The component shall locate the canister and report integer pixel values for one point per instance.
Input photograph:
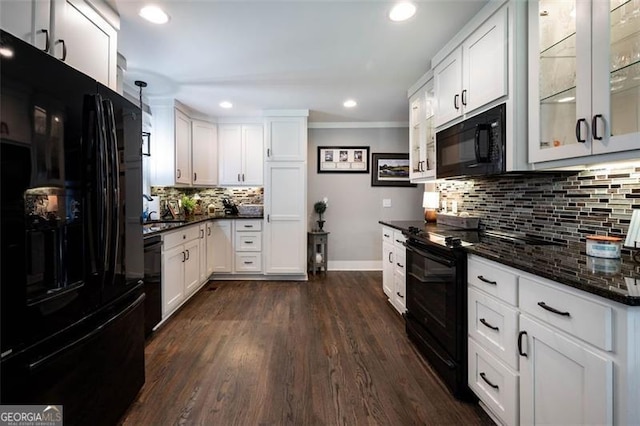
(603, 246)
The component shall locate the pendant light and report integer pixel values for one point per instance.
(146, 136)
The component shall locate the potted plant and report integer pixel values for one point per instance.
(320, 207)
(188, 205)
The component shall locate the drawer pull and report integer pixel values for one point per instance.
(484, 280)
(399, 295)
(522, 333)
(248, 226)
(554, 310)
(387, 235)
(248, 262)
(402, 266)
(248, 242)
(483, 321)
(488, 382)
(398, 241)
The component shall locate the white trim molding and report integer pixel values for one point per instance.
(354, 265)
(357, 124)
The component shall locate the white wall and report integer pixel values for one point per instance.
(355, 207)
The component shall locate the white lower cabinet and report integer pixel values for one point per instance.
(180, 267)
(210, 259)
(221, 257)
(394, 276)
(562, 381)
(248, 246)
(544, 353)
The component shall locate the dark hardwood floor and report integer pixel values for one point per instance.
(330, 351)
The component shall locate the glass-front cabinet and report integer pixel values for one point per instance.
(422, 136)
(584, 87)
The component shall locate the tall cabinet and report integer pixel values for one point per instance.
(584, 88)
(285, 195)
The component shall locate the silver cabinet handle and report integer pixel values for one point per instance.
(179, 173)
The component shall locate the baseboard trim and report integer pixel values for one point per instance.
(354, 265)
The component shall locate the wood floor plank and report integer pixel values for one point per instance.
(330, 351)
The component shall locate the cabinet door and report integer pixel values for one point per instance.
(559, 80)
(253, 160)
(388, 283)
(210, 242)
(85, 40)
(562, 382)
(415, 135)
(400, 280)
(448, 87)
(202, 241)
(222, 247)
(183, 148)
(286, 139)
(285, 231)
(204, 153)
(172, 279)
(615, 118)
(16, 18)
(485, 63)
(230, 150)
(192, 266)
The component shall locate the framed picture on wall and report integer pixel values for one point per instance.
(390, 170)
(343, 159)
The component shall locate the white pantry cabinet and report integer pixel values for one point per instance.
(71, 30)
(286, 138)
(584, 87)
(241, 154)
(475, 73)
(285, 234)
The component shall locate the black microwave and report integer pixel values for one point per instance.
(473, 147)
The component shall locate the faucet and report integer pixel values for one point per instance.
(146, 197)
(149, 215)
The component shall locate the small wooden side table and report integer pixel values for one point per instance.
(317, 251)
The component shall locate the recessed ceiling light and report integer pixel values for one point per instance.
(226, 104)
(402, 11)
(350, 103)
(154, 14)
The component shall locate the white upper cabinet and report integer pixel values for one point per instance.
(241, 154)
(183, 148)
(475, 73)
(204, 153)
(286, 138)
(422, 138)
(584, 90)
(71, 30)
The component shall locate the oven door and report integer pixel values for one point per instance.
(433, 294)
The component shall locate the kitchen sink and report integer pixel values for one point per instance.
(155, 226)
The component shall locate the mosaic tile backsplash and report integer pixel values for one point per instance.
(239, 195)
(560, 207)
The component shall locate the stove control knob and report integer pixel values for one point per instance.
(456, 242)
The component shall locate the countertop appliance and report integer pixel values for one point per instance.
(72, 296)
(473, 147)
(436, 318)
(152, 283)
(230, 207)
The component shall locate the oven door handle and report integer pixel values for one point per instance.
(435, 258)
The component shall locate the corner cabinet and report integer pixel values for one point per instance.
(584, 90)
(475, 73)
(422, 137)
(71, 30)
(241, 154)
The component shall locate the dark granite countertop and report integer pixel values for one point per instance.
(156, 227)
(614, 279)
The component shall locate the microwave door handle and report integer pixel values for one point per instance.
(479, 157)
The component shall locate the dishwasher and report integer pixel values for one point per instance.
(152, 282)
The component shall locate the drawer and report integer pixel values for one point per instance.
(248, 262)
(249, 241)
(493, 278)
(181, 236)
(581, 317)
(494, 324)
(248, 225)
(495, 385)
(387, 234)
(398, 239)
(400, 263)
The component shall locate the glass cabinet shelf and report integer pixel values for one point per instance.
(565, 96)
(563, 48)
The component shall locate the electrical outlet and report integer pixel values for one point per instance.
(386, 202)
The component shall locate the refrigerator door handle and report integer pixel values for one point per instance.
(50, 357)
(113, 176)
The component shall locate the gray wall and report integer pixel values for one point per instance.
(355, 207)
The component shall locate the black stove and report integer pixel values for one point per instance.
(450, 237)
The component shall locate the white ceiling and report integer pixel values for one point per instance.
(303, 54)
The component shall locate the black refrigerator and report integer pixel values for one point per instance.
(72, 298)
